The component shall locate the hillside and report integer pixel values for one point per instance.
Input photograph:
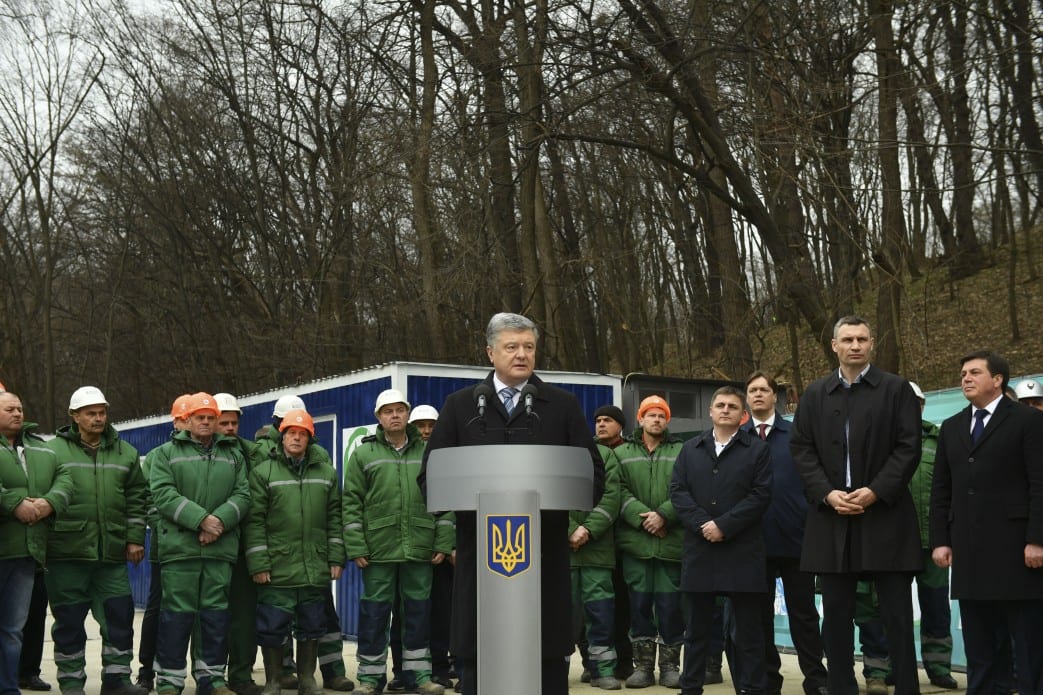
(942, 320)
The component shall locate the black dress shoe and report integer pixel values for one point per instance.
(945, 681)
(34, 683)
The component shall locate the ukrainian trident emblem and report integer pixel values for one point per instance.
(507, 546)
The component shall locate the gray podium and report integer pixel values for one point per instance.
(507, 485)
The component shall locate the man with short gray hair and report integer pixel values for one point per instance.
(511, 348)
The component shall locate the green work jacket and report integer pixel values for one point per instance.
(29, 469)
(188, 482)
(294, 527)
(600, 550)
(645, 486)
(109, 503)
(385, 517)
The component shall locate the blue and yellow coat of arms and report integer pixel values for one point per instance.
(508, 543)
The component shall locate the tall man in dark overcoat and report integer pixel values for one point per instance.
(987, 524)
(511, 347)
(720, 489)
(856, 443)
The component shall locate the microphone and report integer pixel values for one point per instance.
(528, 393)
(482, 393)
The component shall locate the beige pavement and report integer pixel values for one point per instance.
(789, 669)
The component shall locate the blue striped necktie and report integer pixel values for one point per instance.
(507, 395)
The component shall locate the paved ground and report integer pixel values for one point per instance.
(789, 670)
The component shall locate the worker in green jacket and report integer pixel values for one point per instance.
(650, 537)
(90, 546)
(199, 488)
(33, 490)
(242, 599)
(331, 644)
(150, 620)
(395, 541)
(592, 541)
(294, 548)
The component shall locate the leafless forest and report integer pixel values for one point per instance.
(240, 194)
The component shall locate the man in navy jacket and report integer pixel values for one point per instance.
(783, 536)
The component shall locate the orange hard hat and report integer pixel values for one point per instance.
(298, 418)
(200, 402)
(177, 411)
(653, 402)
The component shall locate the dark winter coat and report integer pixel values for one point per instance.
(561, 423)
(882, 415)
(987, 502)
(783, 523)
(733, 490)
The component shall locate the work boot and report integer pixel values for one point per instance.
(339, 683)
(876, 686)
(670, 666)
(272, 657)
(307, 662)
(245, 688)
(146, 681)
(644, 665)
(121, 688)
(608, 682)
(430, 688)
(289, 668)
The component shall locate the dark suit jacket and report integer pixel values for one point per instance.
(883, 419)
(783, 523)
(987, 502)
(562, 423)
(732, 490)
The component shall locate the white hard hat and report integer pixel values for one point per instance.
(86, 395)
(226, 403)
(423, 412)
(918, 391)
(286, 404)
(1028, 388)
(387, 398)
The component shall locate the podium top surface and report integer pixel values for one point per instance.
(563, 476)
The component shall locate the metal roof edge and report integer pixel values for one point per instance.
(399, 369)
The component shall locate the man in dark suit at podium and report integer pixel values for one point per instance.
(987, 524)
(557, 420)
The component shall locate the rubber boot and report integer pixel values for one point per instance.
(670, 666)
(272, 657)
(289, 667)
(307, 661)
(644, 665)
